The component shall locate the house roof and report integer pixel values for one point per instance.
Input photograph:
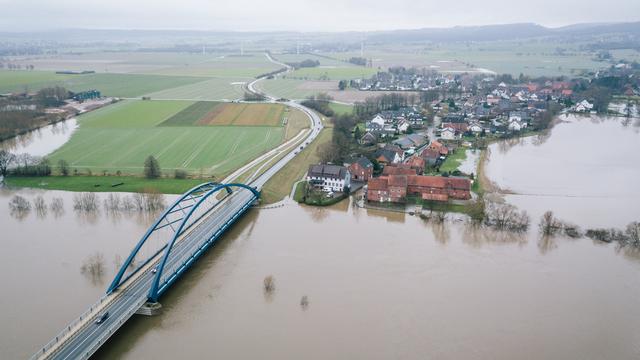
(400, 169)
(379, 184)
(430, 154)
(416, 161)
(387, 154)
(439, 182)
(364, 162)
(397, 181)
(327, 171)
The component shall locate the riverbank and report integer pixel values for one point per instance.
(105, 183)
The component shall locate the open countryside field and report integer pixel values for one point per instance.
(293, 58)
(332, 73)
(121, 136)
(301, 89)
(222, 66)
(531, 57)
(247, 115)
(211, 89)
(118, 85)
(208, 113)
(113, 61)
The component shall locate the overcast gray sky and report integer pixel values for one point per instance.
(304, 15)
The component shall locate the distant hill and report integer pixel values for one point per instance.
(502, 32)
(630, 30)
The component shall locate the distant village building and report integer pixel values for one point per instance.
(329, 177)
(583, 106)
(448, 133)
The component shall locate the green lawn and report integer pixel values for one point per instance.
(341, 108)
(105, 183)
(454, 160)
(121, 136)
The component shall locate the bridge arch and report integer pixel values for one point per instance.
(186, 201)
(156, 288)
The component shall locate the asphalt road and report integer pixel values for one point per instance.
(124, 302)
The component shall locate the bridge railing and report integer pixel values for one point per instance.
(71, 326)
(113, 328)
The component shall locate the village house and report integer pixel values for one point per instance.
(385, 157)
(431, 156)
(439, 147)
(368, 139)
(395, 188)
(448, 133)
(361, 169)
(329, 177)
(417, 163)
(583, 106)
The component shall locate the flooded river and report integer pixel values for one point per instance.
(586, 170)
(379, 285)
(42, 141)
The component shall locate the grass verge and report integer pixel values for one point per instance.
(281, 183)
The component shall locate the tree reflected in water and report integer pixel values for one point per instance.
(93, 269)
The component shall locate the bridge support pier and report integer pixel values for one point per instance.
(150, 309)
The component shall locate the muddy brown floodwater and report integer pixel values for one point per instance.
(378, 285)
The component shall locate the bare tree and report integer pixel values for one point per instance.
(506, 217)
(548, 224)
(57, 206)
(94, 268)
(6, 160)
(87, 202)
(40, 205)
(633, 233)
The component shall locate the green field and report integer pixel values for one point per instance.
(231, 66)
(286, 88)
(118, 85)
(121, 136)
(211, 89)
(341, 108)
(191, 114)
(534, 57)
(332, 73)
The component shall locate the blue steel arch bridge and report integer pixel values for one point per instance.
(193, 222)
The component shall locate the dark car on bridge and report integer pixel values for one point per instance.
(102, 318)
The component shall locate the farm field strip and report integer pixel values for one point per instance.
(213, 89)
(192, 114)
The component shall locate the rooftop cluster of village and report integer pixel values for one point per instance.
(402, 148)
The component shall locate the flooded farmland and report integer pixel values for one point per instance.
(376, 285)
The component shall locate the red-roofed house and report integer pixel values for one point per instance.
(398, 169)
(418, 164)
(437, 187)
